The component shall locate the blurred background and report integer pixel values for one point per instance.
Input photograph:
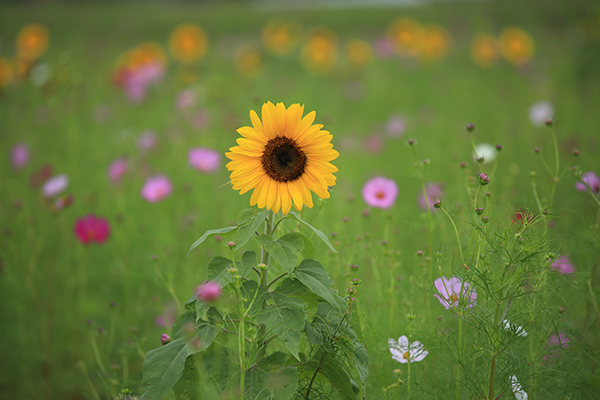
(105, 96)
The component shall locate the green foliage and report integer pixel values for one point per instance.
(312, 275)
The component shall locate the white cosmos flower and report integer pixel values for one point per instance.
(403, 351)
(54, 186)
(519, 393)
(540, 112)
(485, 150)
(518, 330)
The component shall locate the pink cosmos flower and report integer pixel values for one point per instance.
(209, 291)
(204, 159)
(559, 340)
(384, 47)
(55, 185)
(117, 169)
(156, 188)
(147, 141)
(91, 229)
(563, 265)
(186, 99)
(592, 180)
(434, 192)
(454, 292)
(395, 126)
(380, 192)
(404, 352)
(20, 155)
(136, 82)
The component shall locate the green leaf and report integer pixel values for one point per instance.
(248, 261)
(252, 221)
(218, 270)
(317, 232)
(284, 316)
(249, 291)
(284, 250)
(188, 387)
(262, 385)
(291, 287)
(210, 233)
(264, 239)
(339, 379)
(312, 275)
(309, 248)
(184, 326)
(361, 360)
(284, 384)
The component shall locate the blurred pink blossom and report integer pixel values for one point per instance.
(209, 291)
(55, 185)
(380, 192)
(592, 180)
(395, 126)
(434, 192)
(186, 99)
(20, 155)
(156, 188)
(374, 143)
(117, 169)
(454, 292)
(91, 229)
(136, 81)
(384, 47)
(555, 344)
(204, 159)
(147, 141)
(563, 265)
(540, 112)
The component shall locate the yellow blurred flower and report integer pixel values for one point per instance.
(6, 72)
(433, 43)
(485, 50)
(247, 61)
(320, 52)
(32, 42)
(405, 33)
(516, 45)
(188, 43)
(145, 54)
(359, 52)
(279, 37)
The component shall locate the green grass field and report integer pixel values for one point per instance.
(76, 321)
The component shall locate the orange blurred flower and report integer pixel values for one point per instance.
(32, 42)
(188, 43)
(433, 43)
(359, 52)
(145, 54)
(405, 33)
(485, 50)
(6, 72)
(247, 60)
(320, 52)
(516, 45)
(279, 37)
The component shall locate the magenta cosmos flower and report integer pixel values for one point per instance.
(590, 179)
(20, 156)
(454, 292)
(156, 188)
(563, 265)
(91, 229)
(380, 192)
(404, 352)
(54, 186)
(209, 291)
(434, 192)
(117, 169)
(204, 159)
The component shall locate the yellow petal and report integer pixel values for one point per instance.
(296, 194)
(286, 199)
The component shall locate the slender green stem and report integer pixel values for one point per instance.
(264, 283)
(408, 380)
(460, 333)
(494, 353)
(462, 257)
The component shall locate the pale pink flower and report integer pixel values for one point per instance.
(559, 340)
(592, 180)
(563, 265)
(156, 188)
(147, 141)
(374, 143)
(434, 192)
(20, 155)
(117, 169)
(395, 126)
(454, 293)
(540, 112)
(204, 159)
(404, 352)
(186, 99)
(380, 192)
(91, 229)
(384, 47)
(209, 291)
(55, 185)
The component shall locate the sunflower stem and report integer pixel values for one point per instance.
(264, 282)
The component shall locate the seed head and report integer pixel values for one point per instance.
(470, 127)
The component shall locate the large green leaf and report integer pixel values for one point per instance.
(262, 384)
(309, 248)
(249, 291)
(284, 316)
(312, 275)
(361, 360)
(183, 327)
(317, 232)
(218, 268)
(284, 250)
(249, 221)
(339, 378)
(221, 231)
(188, 387)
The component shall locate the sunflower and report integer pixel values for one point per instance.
(283, 158)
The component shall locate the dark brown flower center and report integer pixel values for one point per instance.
(283, 160)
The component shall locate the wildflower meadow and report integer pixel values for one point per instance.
(300, 200)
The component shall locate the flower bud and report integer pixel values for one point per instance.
(437, 203)
(483, 178)
(485, 219)
(463, 164)
(419, 253)
(479, 210)
(575, 152)
(548, 122)
(498, 147)
(164, 339)
(230, 243)
(411, 141)
(536, 150)
(470, 127)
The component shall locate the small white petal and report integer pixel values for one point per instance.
(419, 356)
(403, 342)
